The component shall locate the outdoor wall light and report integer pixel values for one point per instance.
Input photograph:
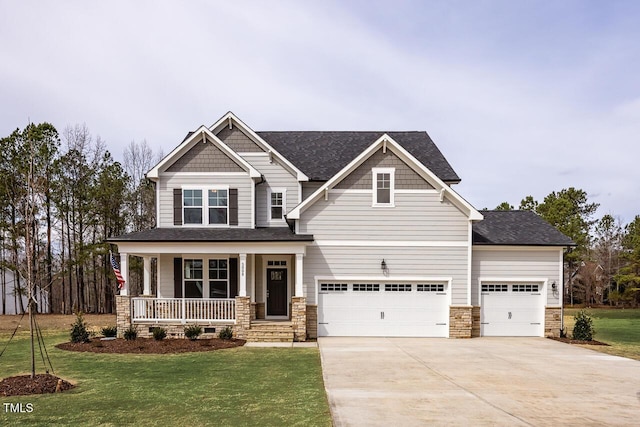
(554, 286)
(383, 265)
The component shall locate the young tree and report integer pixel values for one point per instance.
(528, 204)
(504, 206)
(607, 247)
(629, 275)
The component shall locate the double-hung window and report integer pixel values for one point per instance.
(277, 199)
(192, 205)
(218, 207)
(218, 278)
(383, 180)
(193, 278)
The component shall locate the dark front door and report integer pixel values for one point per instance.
(276, 292)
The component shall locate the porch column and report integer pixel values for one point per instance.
(146, 276)
(242, 291)
(252, 284)
(124, 271)
(299, 288)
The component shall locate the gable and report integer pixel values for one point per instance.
(405, 176)
(238, 141)
(204, 157)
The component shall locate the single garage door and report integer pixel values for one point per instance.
(512, 310)
(383, 309)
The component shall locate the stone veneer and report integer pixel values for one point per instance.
(312, 321)
(243, 317)
(552, 321)
(460, 321)
(299, 318)
(475, 319)
(123, 313)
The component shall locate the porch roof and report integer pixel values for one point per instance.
(183, 234)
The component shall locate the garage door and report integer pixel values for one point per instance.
(512, 309)
(383, 309)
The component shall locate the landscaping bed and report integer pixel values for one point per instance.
(151, 346)
(581, 342)
(24, 385)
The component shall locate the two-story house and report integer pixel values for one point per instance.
(294, 235)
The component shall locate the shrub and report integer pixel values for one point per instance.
(583, 328)
(192, 332)
(159, 333)
(109, 331)
(79, 332)
(131, 333)
(226, 333)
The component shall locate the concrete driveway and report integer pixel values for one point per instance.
(481, 381)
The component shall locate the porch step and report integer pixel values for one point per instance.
(270, 332)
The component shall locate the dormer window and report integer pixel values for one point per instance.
(383, 180)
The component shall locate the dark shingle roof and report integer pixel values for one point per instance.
(320, 155)
(517, 228)
(178, 234)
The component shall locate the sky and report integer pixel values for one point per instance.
(522, 97)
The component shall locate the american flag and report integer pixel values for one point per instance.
(116, 270)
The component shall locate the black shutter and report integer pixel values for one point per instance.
(233, 206)
(177, 206)
(233, 277)
(177, 277)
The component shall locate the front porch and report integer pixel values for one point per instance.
(245, 284)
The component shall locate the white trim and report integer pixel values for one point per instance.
(205, 174)
(280, 221)
(253, 207)
(561, 283)
(405, 156)
(300, 176)
(265, 267)
(193, 139)
(144, 248)
(392, 243)
(513, 248)
(469, 262)
(374, 183)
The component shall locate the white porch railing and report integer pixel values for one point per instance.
(182, 310)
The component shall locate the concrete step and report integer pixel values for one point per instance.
(270, 332)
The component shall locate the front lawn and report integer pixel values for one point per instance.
(240, 386)
(620, 328)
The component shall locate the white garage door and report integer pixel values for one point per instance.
(512, 310)
(383, 309)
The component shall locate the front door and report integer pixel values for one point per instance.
(276, 292)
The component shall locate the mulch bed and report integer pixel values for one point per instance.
(151, 346)
(570, 341)
(24, 385)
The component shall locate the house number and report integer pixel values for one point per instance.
(276, 275)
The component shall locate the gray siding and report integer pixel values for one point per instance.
(204, 158)
(168, 183)
(238, 141)
(165, 275)
(416, 216)
(405, 177)
(402, 261)
(308, 188)
(276, 176)
(517, 263)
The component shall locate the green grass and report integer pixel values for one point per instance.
(240, 386)
(620, 328)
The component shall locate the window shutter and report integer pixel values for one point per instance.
(233, 277)
(177, 206)
(177, 277)
(233, 206)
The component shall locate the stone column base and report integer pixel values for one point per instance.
(123, 313)
(475, 326)
(552, 321)
(312, 321)
(299, 318)
(243, 317)
(460, 321)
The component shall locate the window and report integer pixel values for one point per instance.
(193, 278)
(276, 263)
(430, 287)
(218, 278)
(383, 183)
(276, 204)
(366, 287)
(525, 288)
(218, 206)
(495, 288)
(333, 287)
(397, 287)
(192, 205)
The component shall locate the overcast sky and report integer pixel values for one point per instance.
(522, 97)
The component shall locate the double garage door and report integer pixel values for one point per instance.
(512, 309)
(383, 309)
